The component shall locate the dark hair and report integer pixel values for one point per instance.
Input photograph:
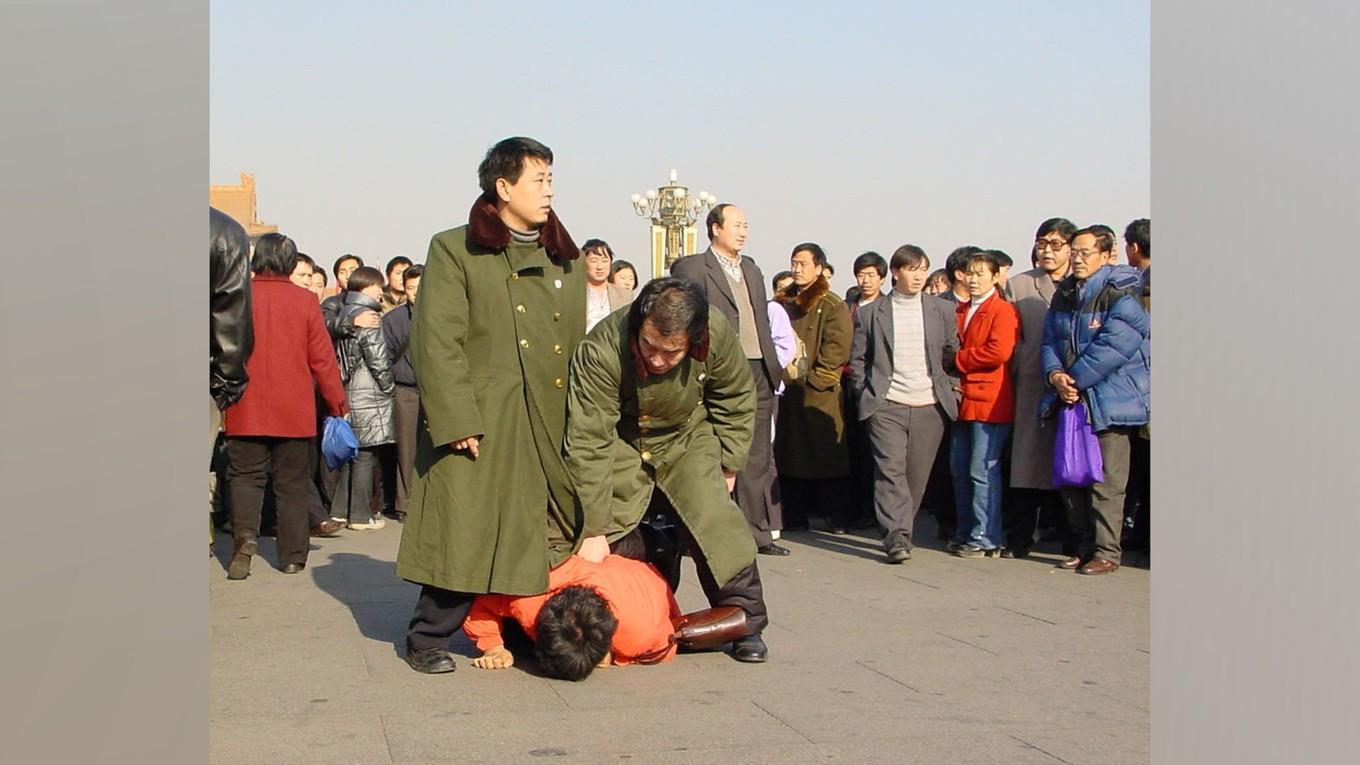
(985, 256)
(412, 271)
(818, 254)
(779, 277)
(870, 260)
(1104, 236)
(674, 305)
(303, 258)
(1002, 258)
(958, 260)
(618, 266)
(715, 218)
(363, 278)
(335, 269)
(325, 280)
(400, 260)
(1034, 256)
(275, 254)
(598, 244)
(1139, 232)
(936, 273)
(853, 294)
(1065, 228)
(506, 160)
(572, 633)
(909, 255)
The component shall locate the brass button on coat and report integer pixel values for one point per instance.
(646, 456)
(558, 383)
(557, 317)
(524, 343)
(514, 275)
(519, 308)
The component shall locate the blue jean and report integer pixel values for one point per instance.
(975, 465)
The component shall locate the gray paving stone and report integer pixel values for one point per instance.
(940, 659)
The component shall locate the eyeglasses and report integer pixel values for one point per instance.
(1049, 244)
(1085, 254)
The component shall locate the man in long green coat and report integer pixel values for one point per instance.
(502, 307)
(661, 410)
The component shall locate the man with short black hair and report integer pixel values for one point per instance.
(1031, 463)
(501, 308)
(331, 308)
(394, 293)
(870, 270)
(902, 380)
(736, 288)
(660, 416)
(955, 267)
(396, 329)
(1096, 351)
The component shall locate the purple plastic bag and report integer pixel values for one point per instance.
(1076, 451)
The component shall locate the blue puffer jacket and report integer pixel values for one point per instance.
(1098, 334)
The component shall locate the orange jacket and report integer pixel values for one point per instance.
(636, 592)
(985, 351)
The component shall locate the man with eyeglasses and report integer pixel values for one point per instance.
(1031, 443)
(1096, 351)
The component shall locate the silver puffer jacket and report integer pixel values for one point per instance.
(366, 368)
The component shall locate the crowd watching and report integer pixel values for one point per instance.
(933, 384)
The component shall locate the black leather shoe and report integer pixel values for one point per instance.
(431, 661)
(750, 649)
(239, 567)
(294, 568)
(899, 554)
(773, 549)
(1014, 552)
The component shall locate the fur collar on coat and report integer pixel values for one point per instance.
(803, 301)
(486, 228)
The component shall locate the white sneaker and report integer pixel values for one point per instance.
(376, 522)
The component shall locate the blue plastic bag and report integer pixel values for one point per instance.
(338, 444)
(1076, 450)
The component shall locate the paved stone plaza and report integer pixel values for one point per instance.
(938, 660)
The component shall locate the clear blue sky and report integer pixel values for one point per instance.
(852, 124)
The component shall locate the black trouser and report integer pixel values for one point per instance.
(1137, 498)
(354, 487)
(862, 475)
(806, 497)
(256, 460)
(1023, 516)
(438, 614)
(939, 497)
(743, 591)
(753, 482)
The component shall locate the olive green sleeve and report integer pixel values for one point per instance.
(437, 333)
(729, 393)
(592, 419)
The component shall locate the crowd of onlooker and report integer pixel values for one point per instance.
(921, 388)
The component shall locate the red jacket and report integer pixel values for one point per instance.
(985, 351)
(293, 358)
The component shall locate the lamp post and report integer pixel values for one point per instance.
(673, 213)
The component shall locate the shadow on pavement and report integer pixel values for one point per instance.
(379, 602)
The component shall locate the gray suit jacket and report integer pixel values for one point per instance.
(703, 269)
(871, 356)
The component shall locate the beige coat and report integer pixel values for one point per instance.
(1032, 437)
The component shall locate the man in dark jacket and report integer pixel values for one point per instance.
(735, 287)
(396, 329)
(230, 331)
(905, 389)
(1096, 351)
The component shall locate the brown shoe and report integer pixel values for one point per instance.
(328, 528)
(242, 552)
(1098, 566)
(1070, 563)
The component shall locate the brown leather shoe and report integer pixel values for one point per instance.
(1070, 563)
(328, 528)
(1098, 566)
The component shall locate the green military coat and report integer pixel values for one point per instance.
(809, 435)
(673, 433)
(490, 346)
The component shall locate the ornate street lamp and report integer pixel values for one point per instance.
(673, 213)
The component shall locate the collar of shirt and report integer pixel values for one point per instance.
(733, 268)
(979, 300)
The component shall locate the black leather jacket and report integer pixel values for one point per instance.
(232, 337)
